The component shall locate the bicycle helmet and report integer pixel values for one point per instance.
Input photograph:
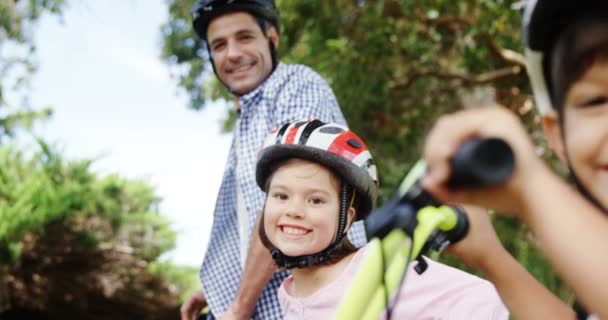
(335, 147)
(206, 10)
(544, 22)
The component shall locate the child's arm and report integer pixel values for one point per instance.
(482, 249)
(572, 233)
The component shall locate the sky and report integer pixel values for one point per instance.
(113, 100)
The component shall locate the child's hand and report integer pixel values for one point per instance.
(525, 297)
(452, 130)
(481, 243)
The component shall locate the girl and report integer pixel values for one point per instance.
(319, 178)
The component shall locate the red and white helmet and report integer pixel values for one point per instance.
(329, 144)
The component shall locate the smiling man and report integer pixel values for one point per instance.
(241, 51)
(238, 274)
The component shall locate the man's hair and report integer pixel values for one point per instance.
(346, 246)
(577, 49)
(264, 24)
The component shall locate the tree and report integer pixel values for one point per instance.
(17, 60)
(72, 244)
(395, 66)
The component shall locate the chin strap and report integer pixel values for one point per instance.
(324, 256)
(585, 193)
(577, 182)
(581, 189)
(304, 261)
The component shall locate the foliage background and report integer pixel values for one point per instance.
(73, 244)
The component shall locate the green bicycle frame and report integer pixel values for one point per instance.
(386, 260)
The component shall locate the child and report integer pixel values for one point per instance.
(567, 53)
(319, 178)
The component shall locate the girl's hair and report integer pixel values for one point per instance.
(346, 247)
(580, 46)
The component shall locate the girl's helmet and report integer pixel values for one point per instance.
(335, 147)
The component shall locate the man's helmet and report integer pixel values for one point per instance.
(206, 10)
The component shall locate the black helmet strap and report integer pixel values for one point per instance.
(347, 197)
(577, 182)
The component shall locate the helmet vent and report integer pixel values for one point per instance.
(354, 143)
(331, 130)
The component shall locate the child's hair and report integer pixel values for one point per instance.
(577, 48)
(340, 151)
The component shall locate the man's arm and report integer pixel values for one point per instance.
(259, 268)
(192, 307)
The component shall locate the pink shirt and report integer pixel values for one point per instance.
(441, 292)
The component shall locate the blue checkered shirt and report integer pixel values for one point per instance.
(291, 92)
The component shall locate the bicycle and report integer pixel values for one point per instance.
(415, 215)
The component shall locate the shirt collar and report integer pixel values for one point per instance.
(247, 99)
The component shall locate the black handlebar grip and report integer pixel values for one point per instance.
(481, 162)
(462, 226)
(393, 214)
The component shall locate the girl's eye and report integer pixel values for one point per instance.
(596, 101)
(317, 201)
(279, 196)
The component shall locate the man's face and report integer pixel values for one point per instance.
(240, 51)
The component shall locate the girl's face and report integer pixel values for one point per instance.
(585, 125)
(301, 212)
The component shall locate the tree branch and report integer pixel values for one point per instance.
(466, 79)
(452, 22)
(506, 55)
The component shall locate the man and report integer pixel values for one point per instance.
(238, 274)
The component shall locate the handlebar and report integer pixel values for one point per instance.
(478, 162)
(414, 213)
(481, 163)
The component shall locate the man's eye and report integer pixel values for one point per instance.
(217, 47)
